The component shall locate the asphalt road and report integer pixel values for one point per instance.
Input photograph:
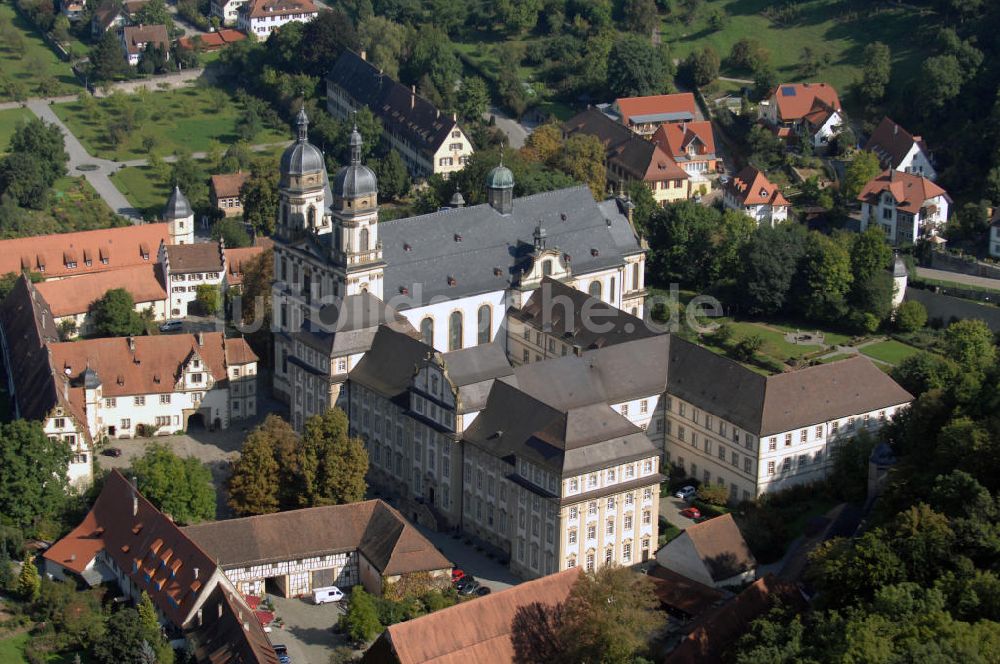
(958, 278)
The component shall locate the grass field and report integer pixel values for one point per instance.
(9, 120)
(891, 351)
(182, 120)
(141, 188)
(839, 40)
(24, 67)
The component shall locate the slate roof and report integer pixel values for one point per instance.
(585, 322)
(677, 107)
(67, 297)
(402, 111)
(378, 531)
(197, 257)
(473, 371)
(751, 187)
(392, 362)
(352, 324)
(909, 191)
(479, 631)
(467, 245)
(639, 158)
(795, 100)
(891, 143)
(721, 547)
(121, 247)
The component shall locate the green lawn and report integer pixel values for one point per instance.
(29, 63)
(9, 120)
(141, 187)
(774, 341)
(12, 649)
(836, 358)
(182, 120)
(838, 43)
(890, 351)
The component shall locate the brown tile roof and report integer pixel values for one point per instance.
(721, 546)
(238, 352)
(716, 632)
(795, 100)
(385, 538)
(263, 8)
(198, 257)
(230, 633)
(479, 631)
(639, 158)
(682, 102)
(137, 37)
(120, 247)
(911, 192)
(751, 187)
(152, 368)
(818, 115)
(674, 138)
(891, 143)
(676, 592)
(228, 185)
(74, 296)
(145, 545)
(212, 41)
(237, 258)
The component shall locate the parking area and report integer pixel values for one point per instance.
(464, 556)
(670, 509)
(308, 630)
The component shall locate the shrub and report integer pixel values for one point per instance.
(361, 620)
(911, 316)
(747, 347)
(714, 494)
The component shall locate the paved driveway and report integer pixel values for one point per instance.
(958, 278)
(308, 631)
(465, 557)
(670, 509)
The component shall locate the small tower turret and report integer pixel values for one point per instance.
(500, 188)
(179, 214)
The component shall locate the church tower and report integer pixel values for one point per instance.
(355, 245)
(500, 188)
(179, 215)
(302, 187)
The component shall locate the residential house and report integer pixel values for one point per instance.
(260, 17)
(136, 39)
(212, 41)
(428, 141)
(899, 150)
(239, 258)
(629, 158)
(907, 207)
(225, 193)
(489, 630)
(188, 266)
(367, 543)
(712, 553)
(113, 15)
(72, 9)
(71, 300)
(811, 111)
(644, 115)
(751, 193)
(227, 11)
(692, 146)
(125, 540)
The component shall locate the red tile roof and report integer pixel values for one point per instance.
(120, 247)
(682, 102)
(675, 137)
(68, 297)
(227, 185)
(238, 258)
(721, 547)
(214, 40)
(144, 544)
(795, 100)
(471, 632)
(891, 143)
(909, 191)
(751, 187)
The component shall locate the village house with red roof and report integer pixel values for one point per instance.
(644, 115)
(751, 193)
(692, 147)
(906, 206)
(899, 150)
(810, 111)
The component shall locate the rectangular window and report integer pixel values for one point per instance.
(126, 423)
(681, 433)
(628, 522)
(627, 551)
(747, 464)
(735, 459)
(592, 508)
(644, 406)
(772, 444)
(625, 410)
(786, 464)
(572, 536)
(110, 402)
(139, 401)
(591, 531)
(770, 468)
(609, 527)
(802, 460)
(196, 378)
(788, 439)
(646, 517)
(611, 503)
(804, 436)
(164, 398)
(722, 452)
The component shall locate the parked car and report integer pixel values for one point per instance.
(470, 588)
(483, 591)
(172, 326)
(113, 451)
(464, 581)
(456, 575)
(691, 512)
(282, 652)
(685, 493)
(327, 595)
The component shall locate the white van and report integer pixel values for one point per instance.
(327, 595)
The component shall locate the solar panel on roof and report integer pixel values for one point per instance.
(788, 90)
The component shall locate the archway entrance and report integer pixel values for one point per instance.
(196, 422)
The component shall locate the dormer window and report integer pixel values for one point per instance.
(763, 192)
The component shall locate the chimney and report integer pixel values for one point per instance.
(246, 626)
(131, 343)
(135, 505)
(72, 557)
(200, 618)
(895, 128)
(364, 55)
(196, 572)
(413, 96)
(220, 609)
(200, 338)
(438, 114)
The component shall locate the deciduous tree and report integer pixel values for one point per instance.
(637, 68)
(864, 168)
(582, 158)
(334, 464)
(260, 200)
(911, 316)
(875, 72)
(179, 487)
(253, 486)
(231, 231)
(115, 315)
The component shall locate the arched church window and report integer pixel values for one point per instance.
(635, 277)
(547, 268)
(427, 331)
(484, 324)
(311, 217)
(455, 330)
(363, 240)
(595, 289)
